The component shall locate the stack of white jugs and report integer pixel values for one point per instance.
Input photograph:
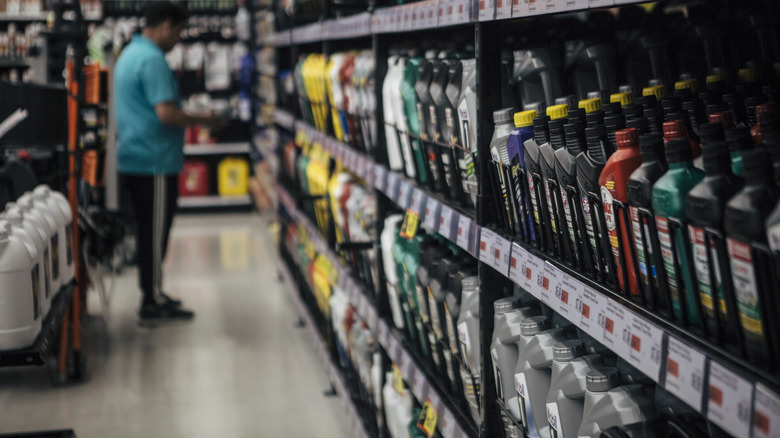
(36, 260)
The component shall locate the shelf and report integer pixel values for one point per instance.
(687, 366)
(217, 149)
(419, 380)
(284, 119)
(13, 63)
(39, 351)
(334, 375)
(214, 201)
(23, 18)
(428, 14)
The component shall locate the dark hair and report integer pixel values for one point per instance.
(157, 12)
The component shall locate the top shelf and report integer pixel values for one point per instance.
(428, 14)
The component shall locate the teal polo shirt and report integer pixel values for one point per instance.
(142, 79)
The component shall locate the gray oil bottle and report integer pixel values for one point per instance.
(533, 372)
(468, 336)
(607, 404)
(503, 351)
(566, 398)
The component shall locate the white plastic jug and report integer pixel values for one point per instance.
(49, 222)
(398, 408)
(26, 232)
(34, 223)
(391, 86)
(60, 206)
(20, 321)
(389, 233)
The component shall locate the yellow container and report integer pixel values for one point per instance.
(233, 177)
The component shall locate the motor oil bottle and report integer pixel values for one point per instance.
(451, 312)
(500, 155)
(533, 372)
(533, 174)
(467, 116)
(34, 226)
(744, 223)
(430, 258)
(56, 201)
(391, 84)
(755, 128)
(399, 250)
(589, 165)
(738, 140)
(704, 209)
(613, 182)
(515, 148)
(669, 195)
(507, 319)
(412, 121)
(41, 216)
(566, 398)
(31, 236)
(557, 141)
(590, 65)
(437, 289)
(21, 317)
(537, 75)
(470, 348)
(451, 130)
(607, 405)
(398, 406)
(594, 111)
(770, 130)
(399, 118)
(640, 197)
(424, 101)
(566, 172)
(389, 232)
(442, 108)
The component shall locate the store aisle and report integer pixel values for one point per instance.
(240, 369)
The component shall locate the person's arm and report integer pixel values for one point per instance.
(169, 114)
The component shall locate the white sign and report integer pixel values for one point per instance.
(591, 306)
(446, 222)
(766, 413)
(617, 328)
(730, 400)
(464, 232)
(685, 373)
(645, 347)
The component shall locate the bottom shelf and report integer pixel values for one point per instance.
(37, 353)
(214, 201)
(334, 375)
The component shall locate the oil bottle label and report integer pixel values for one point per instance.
(421, 303)
(421, 120)
(434, 122)
(434, 350)
(47, 271)
(550, 207)
(589, 228)
(55, 256)
(666, 253)
(746, 289)
(534, 203)
(36, 291)
(554, 418)
(701, 263)
(434, 313)
(641, 256)
(569, 221)
(450, 329)
(609, 218)
(450, 365)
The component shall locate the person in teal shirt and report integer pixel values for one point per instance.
(150, 152)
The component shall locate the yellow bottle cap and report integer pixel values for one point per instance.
(717, 77)
(688, 84)
(558, 111)
(525, 118)
(590, 105)
(748, 75)
(624, 99)
(659, 91)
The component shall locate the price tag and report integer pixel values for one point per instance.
(380, 178)
(617, 330)
(446, 222)
(383, 334)
(432, 214)
(447, 424)
(463, 11)
(464, 232)
(487, 241)
(547, 282)
(685, 373)
(503, 9)
(404, 194)
(420, 385)
(398, 380)
(410, 225)
(591, 306)
(730, 400)
(393, 186)
(418, 202)
(394, 350)
(600, 3)
(530, 272)
(568, 293)
(646, 347)
(428, 420)
(766, 413)
(501, 255)
(442, 9)
(407, 366)
(516, 262)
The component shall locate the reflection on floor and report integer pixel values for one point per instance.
(240, 369)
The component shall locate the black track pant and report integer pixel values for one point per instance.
(153, 198)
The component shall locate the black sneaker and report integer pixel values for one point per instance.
(169, 300)
(155, 315)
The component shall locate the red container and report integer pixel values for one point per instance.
(194, 179)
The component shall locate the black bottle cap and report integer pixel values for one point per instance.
(709, 97)
(757, 165)
(651, 146)
(613, 123)
(684, 95)
(640, 123)
(678, 150)
(557, 138)
(738, 139)
(675, 115)
(541, 129)
(715, 157)
(716, 108)
(648, 102)
(576, 114)
(594, 118)
(612, 108)
(711, 132)
(632, 111)
(671, 104)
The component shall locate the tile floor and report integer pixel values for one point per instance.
(240, 369)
